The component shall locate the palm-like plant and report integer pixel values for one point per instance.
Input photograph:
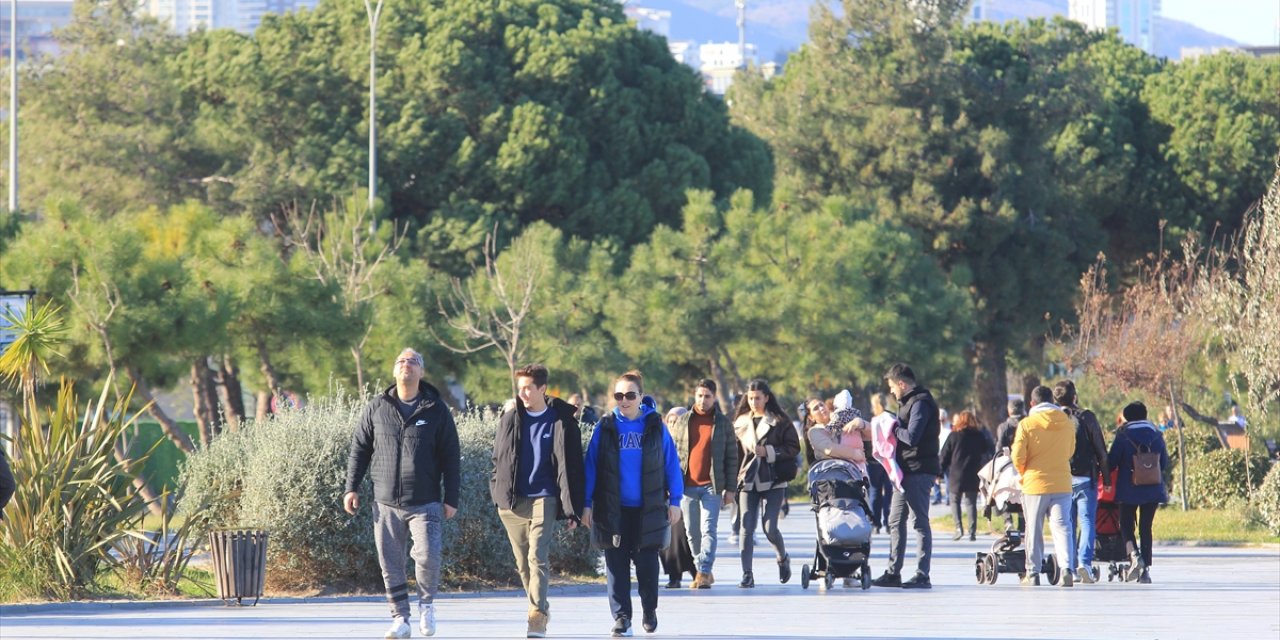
(26, 361)
(78, 498)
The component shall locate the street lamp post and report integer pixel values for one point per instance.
(13, 105)
(373, 12)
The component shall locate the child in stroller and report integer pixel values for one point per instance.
(838, 491)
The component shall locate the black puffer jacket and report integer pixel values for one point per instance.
(918, 433)
(606, 529)
(566, 456)
(407, 460)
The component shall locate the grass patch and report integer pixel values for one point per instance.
(1203, 526)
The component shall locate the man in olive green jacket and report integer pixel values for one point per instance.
(709, 461)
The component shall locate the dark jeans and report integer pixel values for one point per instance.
(751, 514)
(970, 499)
(912, 501)
(617, 563)
(880, 494)
(1145, 514)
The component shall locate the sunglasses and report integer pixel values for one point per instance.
(630, 395)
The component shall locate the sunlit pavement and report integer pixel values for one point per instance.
(1197, 592)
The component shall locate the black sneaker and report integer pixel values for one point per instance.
(748, 582)
(650, 622)
(673, 583)
(888, 579)
(918, 581)
(622, 627)
(784, 569)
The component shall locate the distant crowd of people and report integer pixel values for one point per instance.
(649, 486)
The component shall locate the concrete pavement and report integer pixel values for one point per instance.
(1198, 592)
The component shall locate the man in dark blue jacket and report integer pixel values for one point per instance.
(407, 441)
(917, 455)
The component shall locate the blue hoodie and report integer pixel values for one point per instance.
(630, 433)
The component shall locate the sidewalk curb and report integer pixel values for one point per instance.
(99, 606)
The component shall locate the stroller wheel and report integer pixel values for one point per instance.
(829, 580)
(804, 576)
(1054, 573)
(866, 577)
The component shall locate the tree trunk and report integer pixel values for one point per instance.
(149, 495)
(1029, 382)
(1182, 449)
(357, 354)
(722, 389)
(273, 381)
(738, 382)
(232, 393)
(263, 400)
(204, 393)
(167, 424)
(990, 387)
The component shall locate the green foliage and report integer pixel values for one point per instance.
(1223, 113)
(286, 475)
(1198, 439)
(1218, 477)
(1266, 500)
(488, 112)
(103, 122)
(77, 500)
(943, 129)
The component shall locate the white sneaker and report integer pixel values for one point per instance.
(427, 623)
(399, 628)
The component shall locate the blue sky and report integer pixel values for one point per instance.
(1247, 21)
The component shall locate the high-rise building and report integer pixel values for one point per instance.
(1135, 19)
(978, 11)
(37, 20)
(185, 16)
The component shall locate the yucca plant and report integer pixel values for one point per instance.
(155, 561)
(76, 498)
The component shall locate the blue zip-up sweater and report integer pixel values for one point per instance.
(630, 462)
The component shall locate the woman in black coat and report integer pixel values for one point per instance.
(967, 448)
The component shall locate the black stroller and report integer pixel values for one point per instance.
(838, 491)
(1002, 493)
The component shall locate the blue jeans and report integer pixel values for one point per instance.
(1084, 512)
(701, 509)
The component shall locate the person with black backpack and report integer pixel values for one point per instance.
(1087, 462)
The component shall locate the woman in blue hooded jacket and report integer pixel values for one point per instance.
(633, 491)
(1137, 502)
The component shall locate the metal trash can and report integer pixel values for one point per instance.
(239, 562)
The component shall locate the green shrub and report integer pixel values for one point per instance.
(1198, 439)
(1266, 501)
(286, 475)
(76, 501)
(1214, 478)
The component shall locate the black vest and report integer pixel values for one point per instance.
(606, 512)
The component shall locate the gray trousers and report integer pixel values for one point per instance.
(394, 530)
(912, 501)
(1058, 507)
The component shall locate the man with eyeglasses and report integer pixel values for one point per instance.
(537, 479)
(708, 453)
(407, 442)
